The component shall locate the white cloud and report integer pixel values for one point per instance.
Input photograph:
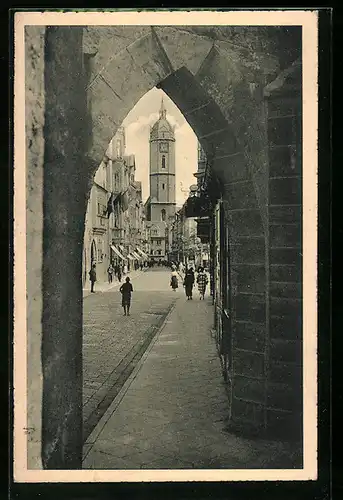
(137, 129)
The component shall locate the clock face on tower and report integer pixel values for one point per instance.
(164, 147)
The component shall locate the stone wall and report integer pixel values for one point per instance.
(34, 124)
(284, 388)
(65, 196)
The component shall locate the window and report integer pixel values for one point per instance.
(163, 215)
(163, 185)
(158, 242)
(163, 161)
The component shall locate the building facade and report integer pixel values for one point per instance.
(161, 204)
(114, 225)
(189, 245)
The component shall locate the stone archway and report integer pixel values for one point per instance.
(93, 77)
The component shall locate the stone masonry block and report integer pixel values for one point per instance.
(245, 222)
(249, 364)
(232, 168)
(147, 54)
(184, 48)
(285, 290)
(186, 92)
(248, 251)
(286, 327)
(217, 76)
(128, 81)
(250, 278)
(285, 191)
(287, 351)
(282, 106)
(252, 307)
(247, 412)
(290, 256)
(222, 143)
(240, 195)
(285, 307)
(285, 236)
(213, 125)
(285, 273)
(104, 42)
(284, 397)
(248, 335)
(280, 131)
(282, 162)
(286, 373)
(248, 389)
(279, 214)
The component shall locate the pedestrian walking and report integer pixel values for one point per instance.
(119, 274)
(92, 277)
(202, 281)
(126, 290)
(125, 269)
(188, 284)
(174, 281)
(110, 272)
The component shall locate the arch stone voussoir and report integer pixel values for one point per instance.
(104, 42)
(184, 48)
(218, 76)
(150, 57)
(105, 106)
(252, 60)
(128, 81)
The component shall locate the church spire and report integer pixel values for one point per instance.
(163, 111)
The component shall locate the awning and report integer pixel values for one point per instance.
(136, 255)
(131, 257)
(121, 248)
(116, 251)
(142, 253)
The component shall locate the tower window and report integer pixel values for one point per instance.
(163, 215)
(163, 186)
(163, 161)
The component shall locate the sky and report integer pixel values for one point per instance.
(137, 129)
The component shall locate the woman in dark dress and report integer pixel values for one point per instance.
(174, 281)
(188, 284)
(126, 289)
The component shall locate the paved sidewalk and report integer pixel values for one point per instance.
(171, 412)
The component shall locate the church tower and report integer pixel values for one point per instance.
(162, 169)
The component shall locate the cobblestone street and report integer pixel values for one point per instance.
(113, 344)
